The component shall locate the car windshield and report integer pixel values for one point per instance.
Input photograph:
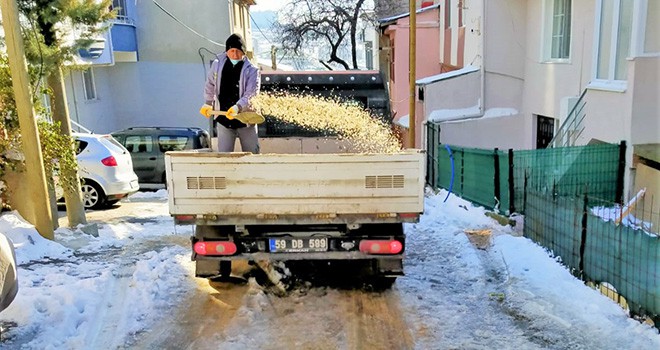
(112, 144)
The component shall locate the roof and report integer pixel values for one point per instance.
(447, 75)
(389, 20)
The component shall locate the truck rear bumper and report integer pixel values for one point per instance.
(300, 256)
(390, 265)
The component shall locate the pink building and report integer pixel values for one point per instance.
(435, 45)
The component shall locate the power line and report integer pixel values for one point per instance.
(260, 31)
(185, 25)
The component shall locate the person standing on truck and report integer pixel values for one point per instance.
(230, 84)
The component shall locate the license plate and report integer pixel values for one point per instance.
(298, 245)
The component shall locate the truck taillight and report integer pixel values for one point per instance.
(185, 217)
(409, 215)
(215, 248)
(381, 247)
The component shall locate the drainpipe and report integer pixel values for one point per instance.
(482, 98)
(75, 99)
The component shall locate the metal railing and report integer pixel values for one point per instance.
(573, 126)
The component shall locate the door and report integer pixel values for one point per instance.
(145, 157)
(545, 131)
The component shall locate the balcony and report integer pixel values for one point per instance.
(124, 41)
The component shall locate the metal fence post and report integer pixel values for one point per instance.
(462, 168)
(583, 237)
(621, 173)
(512, 191)
(496, 163)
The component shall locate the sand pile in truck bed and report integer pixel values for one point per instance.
(366, 133)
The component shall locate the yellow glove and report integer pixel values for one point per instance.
(206, 110)
(232, 112)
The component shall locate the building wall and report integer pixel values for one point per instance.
(427, 60)
(645, 115)
(503, 30)
(96, 115)
(547, 83)
(502, 132)
(165, 86)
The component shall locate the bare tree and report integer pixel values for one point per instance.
(388, 8)
(303, 22)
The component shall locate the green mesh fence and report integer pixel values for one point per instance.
(569, 171)
(504, 201)
(433, 148)
(553, 187)
(496, 178)
(477, 177)
(445, 168)
(555, 224)
(596, 248)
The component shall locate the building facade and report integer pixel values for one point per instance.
(536, 74)
(152, 69)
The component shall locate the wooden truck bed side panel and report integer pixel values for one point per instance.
(294, 184)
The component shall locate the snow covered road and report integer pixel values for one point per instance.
(132, 287)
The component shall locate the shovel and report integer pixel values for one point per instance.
(244, 117)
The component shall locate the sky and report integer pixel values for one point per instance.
(267, 5)
(105, 292)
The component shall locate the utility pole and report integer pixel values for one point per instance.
(273, 57)
(75, 211)
(413, 48)
(40, 216)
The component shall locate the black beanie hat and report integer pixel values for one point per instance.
(235, 41)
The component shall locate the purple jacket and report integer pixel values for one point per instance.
(249, 83)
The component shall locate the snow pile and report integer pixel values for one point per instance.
(29, 244)
(94, 297)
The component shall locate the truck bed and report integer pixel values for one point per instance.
(276, 188)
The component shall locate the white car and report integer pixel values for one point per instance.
(8, 273)
(106, 170)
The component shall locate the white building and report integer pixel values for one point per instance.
(152, 67)
(537, 59)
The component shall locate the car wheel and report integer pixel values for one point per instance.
(92, 194)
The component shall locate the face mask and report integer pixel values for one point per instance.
(234, 62)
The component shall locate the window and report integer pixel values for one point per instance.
(88, 83)
(557, 30)
(369, 54)
(139, 144)
(120, 6)
(612, 37)
(645, 39)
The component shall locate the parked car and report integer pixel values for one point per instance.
(106, 170)
(8, 274)
(147, 146)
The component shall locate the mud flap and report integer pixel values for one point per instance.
(207, 268)
(388, 267)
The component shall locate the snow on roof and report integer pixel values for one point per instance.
(388, 20)
(447, 75)
(458, 114)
